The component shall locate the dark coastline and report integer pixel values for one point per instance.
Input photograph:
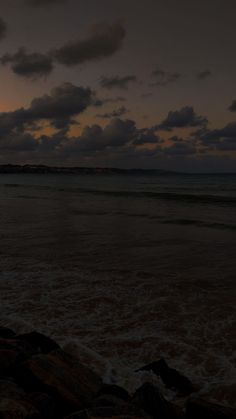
(80, 170)
(43, 169)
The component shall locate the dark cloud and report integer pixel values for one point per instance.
(3, 28)
(103, 41)
(118, 134)
(181, 147)
(64, 102)
(185, 117)
(29, 65)
(114, 114)
(223, 139)
(146, 136)
(101, 102)
(18, 142)
(117, 82)
(232, 107)
(204, 75)
(164, 78)
(114, 99)
(229, 131)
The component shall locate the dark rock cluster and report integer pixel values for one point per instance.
(39, 380)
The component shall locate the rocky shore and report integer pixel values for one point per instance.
(39, 380)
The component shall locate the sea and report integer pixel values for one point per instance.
(123, 270)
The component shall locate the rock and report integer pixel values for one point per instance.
(107, 400)
(170, 377)
(148, 398)
(115, 390)
(6, 333)
(108, 412)
(43, 343)
(57, 374)
(199, 408)
(44, 404)
(8, 358)
(14, 404)
(24, 349)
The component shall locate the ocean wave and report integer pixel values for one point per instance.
(104, 329)
(199, 223)
(177, 196)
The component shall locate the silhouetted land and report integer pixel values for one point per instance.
(76, 170)
(9, 168)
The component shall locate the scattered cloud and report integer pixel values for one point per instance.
(164, 78)
(117, 82)
(223, 139)
(114, 114)
(103, 41)
(59, 107)
(232, 107)
(146, 136)
(64, 101)
(204, 75)
(117, 133)
(184, 118)
(114, 99)
(30, 65)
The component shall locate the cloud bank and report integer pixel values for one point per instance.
(24, 135)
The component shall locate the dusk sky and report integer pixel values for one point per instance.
(121, 83)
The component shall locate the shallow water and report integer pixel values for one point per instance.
(132, 267)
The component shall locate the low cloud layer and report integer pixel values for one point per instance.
(23, 134)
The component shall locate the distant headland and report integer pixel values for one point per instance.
(43, 169)
(83, 170)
